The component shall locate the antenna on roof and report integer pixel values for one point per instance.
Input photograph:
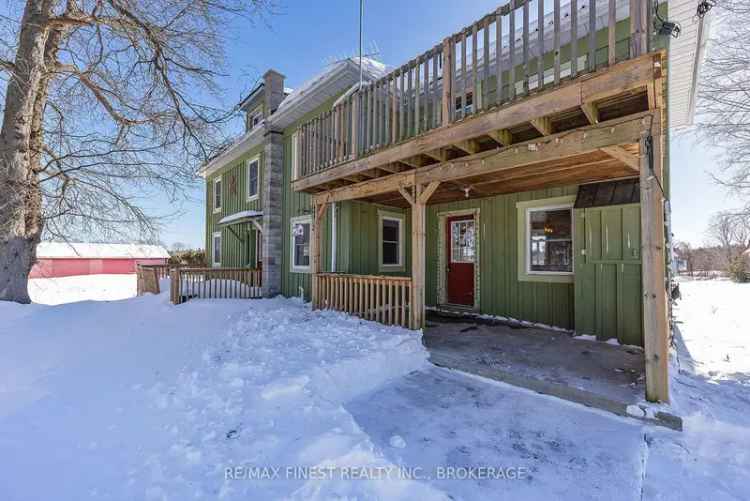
(361, 17)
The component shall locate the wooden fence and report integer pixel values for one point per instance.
(215, 283)
(382, 299)
(500, 58)
(148, 276)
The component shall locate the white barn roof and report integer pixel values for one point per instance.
(62, 250)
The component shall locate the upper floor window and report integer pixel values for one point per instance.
(253, 171)
(253, 119)
(217, 194)
(549, 246)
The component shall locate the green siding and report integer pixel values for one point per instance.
(235, 251)
(608, 273)
(500, 291)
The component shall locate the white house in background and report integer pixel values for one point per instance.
(62, 259)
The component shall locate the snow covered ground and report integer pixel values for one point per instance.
(82, 288)
(265, 399)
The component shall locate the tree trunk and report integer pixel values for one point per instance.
(20, 198)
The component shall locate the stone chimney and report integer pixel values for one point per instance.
(273, 90)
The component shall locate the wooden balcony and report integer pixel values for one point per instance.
(465, 100)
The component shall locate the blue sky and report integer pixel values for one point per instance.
(304, 36)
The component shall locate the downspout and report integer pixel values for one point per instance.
(333, 237)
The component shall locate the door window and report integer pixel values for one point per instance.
(462, 241)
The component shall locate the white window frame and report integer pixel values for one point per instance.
(390, 216)
(295, 155)
(248, 163)
(527, 240)
(214, 236)
(218, 181)
(292, 222)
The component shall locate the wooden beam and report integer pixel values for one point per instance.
(543, 125)
(418, 258)
(503, 137)
(440, 154)
(408, 196)
(624, 156)
(427, 192)
(557, 146)
(416, 161)
(653, 271)
(393, 167)
(470, 146)
(591, 111)
(623, 77)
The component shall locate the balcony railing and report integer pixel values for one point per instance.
(479, 68)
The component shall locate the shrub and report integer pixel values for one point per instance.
(738, 270)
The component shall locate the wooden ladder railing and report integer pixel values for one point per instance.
(379, 298)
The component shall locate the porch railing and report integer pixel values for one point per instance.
(379, 298)
(498, 59)
(215, 283)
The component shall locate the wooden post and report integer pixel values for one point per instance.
(315, 265)
(447, 80)
(655, 321)
(418, 201)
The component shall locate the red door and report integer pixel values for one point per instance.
(460, 252)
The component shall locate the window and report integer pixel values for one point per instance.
(391, 242)
(252, 178)
(549, 233)
(462, 241)
(295, 155)
(300, 236)
(217, 194)
(216, 249)
(253, 119)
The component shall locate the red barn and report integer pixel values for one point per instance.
(60, 259)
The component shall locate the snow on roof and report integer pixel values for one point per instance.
(245, 214)
(371, 69)
(52, 250)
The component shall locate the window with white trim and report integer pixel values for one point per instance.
(295, 155)
(217, 194)
(549, 240)
(216, 249)
(301, 233)
(253, 174)
(391, 242)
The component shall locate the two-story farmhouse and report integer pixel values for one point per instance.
(518, 168)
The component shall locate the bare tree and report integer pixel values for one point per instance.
(723, 106)
(107, 102)
(732, 232)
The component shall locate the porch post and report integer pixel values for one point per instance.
(418, 201)
(418, 234)
(653, 265)
(315, 264)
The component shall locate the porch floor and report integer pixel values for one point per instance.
(551, 362)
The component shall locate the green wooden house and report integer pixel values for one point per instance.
(516, 169)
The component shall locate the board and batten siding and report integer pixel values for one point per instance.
(500, 291)
(235, 253)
